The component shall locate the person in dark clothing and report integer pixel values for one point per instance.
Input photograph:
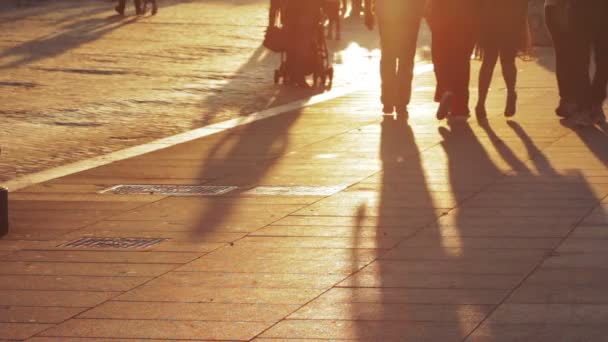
(590, 26)
(504, 34)
(274, 12)
(122, 4)
(557, 20)
(454, 24)
(399, 24)
(301, 20)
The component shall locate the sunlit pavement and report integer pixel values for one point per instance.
(337, 225)
(78, 81)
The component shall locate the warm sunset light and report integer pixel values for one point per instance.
(303, 170)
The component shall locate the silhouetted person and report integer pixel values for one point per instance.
(274, 12)
(332, 11)
(557, 19)
(301, 21)
(356, 7)
(590, 25)
(144, 8)
(503, 33)
(122, 4)
(398, 23)
(454, 25)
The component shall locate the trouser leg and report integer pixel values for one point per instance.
(600, 44)
(565, 54)
(407, 57)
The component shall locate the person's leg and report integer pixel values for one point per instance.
(272, 12)
(120, 8)
(490, 57)
(441, 57)
(407, 57)
(464, 43)
(509, 74)
(563, 46)
(600, 44)
(137, 5)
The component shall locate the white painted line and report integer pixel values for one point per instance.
(65, 170)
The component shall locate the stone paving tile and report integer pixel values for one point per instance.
(467, 266)
(598, 232)
(506, 222)
(156, 329)
(433, 281)
(538, 332)
(492, 231)
(62, 205)
(317, 242)
(90, 269)
(392, 312)
(35, 234)
(54, 298)
(369, 330)
(21, 331)
(89, 256)
(221, 295)
(28, 314)
(191, 311)
(194, 235)
(499, 211)
(575, 245)
(93, 339)
(456, 253)
(242, 280)
(593, 314)
(451, 296)
(70, 283)
(352, 221)
(319, 210)
(587, 260)
(295, 266)
(481, 242)
(288, 254)
(332, 231)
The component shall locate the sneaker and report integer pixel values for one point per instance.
(597, 114)
(444, 106)
(566, 109)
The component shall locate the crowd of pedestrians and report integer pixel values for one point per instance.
(496, 30)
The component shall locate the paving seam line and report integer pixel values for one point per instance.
(156, 145)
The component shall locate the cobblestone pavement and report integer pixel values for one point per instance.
(78, 81)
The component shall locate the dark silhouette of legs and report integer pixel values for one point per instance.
(490, 58)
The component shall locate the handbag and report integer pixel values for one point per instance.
(275, 39)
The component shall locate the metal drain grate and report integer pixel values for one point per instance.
(166, 189)
(113, 242)
(296, 190)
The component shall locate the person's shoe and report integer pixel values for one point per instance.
(581, 118)
(119, 10)
(597, 114)
(511, 106)
(566, 109)
(444, 106)
(154, 9)
(480, 112)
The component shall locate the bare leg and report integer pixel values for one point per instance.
(509, 73)
(490, 57)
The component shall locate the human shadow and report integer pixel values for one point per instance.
(241, 157)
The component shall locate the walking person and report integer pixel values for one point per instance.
(332, 12)
(590, 27)
(398, 24)
(274, 13)
(503, 34)
(557, 20)
(120, 8)
(454, 24)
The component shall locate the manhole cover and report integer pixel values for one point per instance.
(113, 242)
(296, 190)
(165, 189)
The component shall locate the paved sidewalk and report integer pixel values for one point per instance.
(412, 231)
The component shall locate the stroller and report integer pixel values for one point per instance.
(319, 66)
